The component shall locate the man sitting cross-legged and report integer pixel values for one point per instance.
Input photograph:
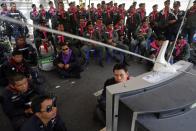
(68, 63)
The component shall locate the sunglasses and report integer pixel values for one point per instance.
(65, 49)
(49, 107)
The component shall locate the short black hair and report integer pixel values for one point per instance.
(141, 4)
(71, 3)
(177, 3)
(60, 3)
(33, 5)
(167, 1)
(103, 2)
(120, 67)
(20, 36)
(3, 4)
(154, 6)
(50, 2)
(14, 77)
(37, 101)
(89, 23)
(41, 6)
(17, 52)
(134, 3)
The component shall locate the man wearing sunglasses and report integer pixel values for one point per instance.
(67, 62)
(45, 116)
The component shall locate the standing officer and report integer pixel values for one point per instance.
(17, 15)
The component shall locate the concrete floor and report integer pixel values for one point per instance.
(76, 101)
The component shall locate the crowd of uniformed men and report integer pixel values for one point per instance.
(110, 23)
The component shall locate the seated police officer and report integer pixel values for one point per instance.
(17, 99)
(45, 116)
(121, 74)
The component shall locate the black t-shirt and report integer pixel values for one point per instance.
(35, 124)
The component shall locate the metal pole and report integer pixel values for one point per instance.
(89, 13)
(179, 31)
(56, 3)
